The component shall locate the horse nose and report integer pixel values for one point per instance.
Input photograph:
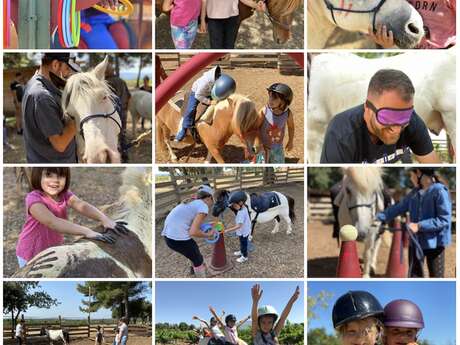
(412, 29)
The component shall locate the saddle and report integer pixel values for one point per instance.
(200, 109)
(265, 201)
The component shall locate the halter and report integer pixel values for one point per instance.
(273, 20)
(374, 10)
(95, 116)
(369, 205)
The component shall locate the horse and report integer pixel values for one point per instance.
(324, 16)
(339, 81)
(58, 335)
(285, 208)
(235, 115)
(88, 99)
(140, 106)
(279, 12)
(129, 257)
(359, 201)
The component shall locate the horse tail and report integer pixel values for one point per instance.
(245, 115)
(291, 203)
(66, 336)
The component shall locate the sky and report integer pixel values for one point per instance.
(178, 301)
(66, 293)
(436, 299)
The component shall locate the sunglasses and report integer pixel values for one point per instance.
(390, 116)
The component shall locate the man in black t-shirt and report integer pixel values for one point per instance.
(17, 90)
(385, 129)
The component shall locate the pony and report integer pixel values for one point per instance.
(58, 335)
(324, 16)
(339, 81)
(235, 115)
(129, 257)
(285, 210)
(88, 99)
(140, 106)
(280, 13)
(359, 201)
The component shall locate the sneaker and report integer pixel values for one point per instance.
(242, 259)
(238, 253)
(181, 134)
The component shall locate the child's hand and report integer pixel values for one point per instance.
(296, 295)
(289, 146)
(203, 27)
(256, 292)
(194, 317)
(212, 310)
(261, 6)
(109, 4)
(413, 227)
(118, 227)
(382, 37)
(106, 238)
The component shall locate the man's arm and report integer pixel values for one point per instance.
(62, 141)
(431, 158)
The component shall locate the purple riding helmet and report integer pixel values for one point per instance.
(403, 313)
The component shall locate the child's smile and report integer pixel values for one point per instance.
(52, 184)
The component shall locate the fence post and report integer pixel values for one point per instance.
(34, 24)
(287, 175)
(60, 321)
(174, 182)
(89, 327)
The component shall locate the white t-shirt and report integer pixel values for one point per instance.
(222, 9)
(18, 330)
(217, 333)
(242, 217)
(180, 219)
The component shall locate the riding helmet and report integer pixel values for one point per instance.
(355, 305)
(284, 90)
(429, 171)
(403, 313)
(237, 197)
(230, 317)
(204, 188)
(224, 86)
(267, 310)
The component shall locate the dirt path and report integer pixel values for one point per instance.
(132, 340)
(323, 253)
(252, 82)
(276, 255)
(98, 186)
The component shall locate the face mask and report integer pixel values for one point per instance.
(58, 80)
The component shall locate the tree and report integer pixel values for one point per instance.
(320, 300)
(18, 297)
(318, 336)
(87, 289)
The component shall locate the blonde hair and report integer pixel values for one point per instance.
(376, 324)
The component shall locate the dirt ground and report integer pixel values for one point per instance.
(323, 253)
(132, 340)
(98, 186)
(137, 154)
(255, 33)
(275, 256)
(252, 82)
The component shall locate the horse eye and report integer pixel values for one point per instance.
(348, 190)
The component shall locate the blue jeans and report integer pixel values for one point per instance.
(99, 37)
(190, 112)
(124, 341)
(244, 246)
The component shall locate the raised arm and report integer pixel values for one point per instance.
(201, 320)
(219, 320)
(240, 323)
(256, 293)
(287, 309)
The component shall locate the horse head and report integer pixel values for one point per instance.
(281, 14)
(88, 99)
(220, 202)
(399, 16)
(361, 198)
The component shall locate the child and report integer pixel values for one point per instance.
(276, 115)
(243, 224)
(46, 208)
(230, 328)
(402, 320)
(439, 25)
(264, 329)
(20, 333)
(217, 337)
(184, 20)
(99, 339)
(356, 317)
(430, 210)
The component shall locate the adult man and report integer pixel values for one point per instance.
(17, 90)
(123, 331)
(146, 84)
(49, 137)
(383, 130)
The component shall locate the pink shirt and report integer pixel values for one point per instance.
(184, 11)
(439, 21)
(36, 237)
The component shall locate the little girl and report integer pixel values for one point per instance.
(230, 328)
(402, 321)
(46, 208)
(184, 20)
(264, 329)
(276, 115)
(99, 340)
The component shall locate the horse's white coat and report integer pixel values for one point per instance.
(56, 335)
(339, 81)
(140, 106)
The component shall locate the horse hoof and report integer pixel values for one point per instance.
(366, 276)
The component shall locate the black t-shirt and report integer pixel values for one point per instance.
(18, 88)
(347, 140)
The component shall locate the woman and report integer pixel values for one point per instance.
(184, 222)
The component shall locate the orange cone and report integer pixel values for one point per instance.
(217, 263)
(348, 265)
(397, 266)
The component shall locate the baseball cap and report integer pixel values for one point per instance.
(64, 57)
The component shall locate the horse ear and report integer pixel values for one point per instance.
(100, 69)
(338, 199)
(380, 202)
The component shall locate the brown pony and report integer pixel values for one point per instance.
(280, 13)
(235, 115)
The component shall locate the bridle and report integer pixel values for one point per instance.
(369, 205)
(273, 20)
(96, 116)
(374, 10)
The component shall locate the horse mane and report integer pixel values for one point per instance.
(283, 7)
(366, 179)
(245, 114)
(219, 193)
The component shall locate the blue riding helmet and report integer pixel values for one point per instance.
(236, 197)
(223, 87)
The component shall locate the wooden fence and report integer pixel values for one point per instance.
(179, 186)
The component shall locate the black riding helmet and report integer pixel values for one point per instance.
(283, 90)
(428, 171)
(237, 197)
(230, 317)
(355, 305)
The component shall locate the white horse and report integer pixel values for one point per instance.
(324, 16)
(88, 99)
(129, 257)
(140, 106)
(339, 81)
(285, 210)
(359, 201)
(58, 335)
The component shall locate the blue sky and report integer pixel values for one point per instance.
(435, 299)
(66, 293)
(179, 301)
